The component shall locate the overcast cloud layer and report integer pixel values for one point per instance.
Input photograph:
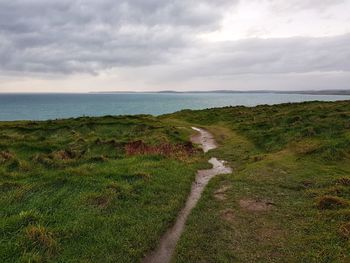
(62, 45)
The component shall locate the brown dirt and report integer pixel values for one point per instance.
(254, 205)
(220, 194)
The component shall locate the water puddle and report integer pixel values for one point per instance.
(166, 248)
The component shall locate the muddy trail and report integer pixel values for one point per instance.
(163, 253)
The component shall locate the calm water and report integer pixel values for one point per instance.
(52, 106)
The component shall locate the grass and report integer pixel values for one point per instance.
(105, 189)
(292, 159)
(71, 192)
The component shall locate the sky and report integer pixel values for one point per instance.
(150, 45)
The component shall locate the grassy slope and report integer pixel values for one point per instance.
(295, 156)
(69, 192)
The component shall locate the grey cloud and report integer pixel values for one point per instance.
(268, 56)
(65, 37)
(88, 36)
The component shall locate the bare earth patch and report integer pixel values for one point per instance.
(256, 205)
(220, 194)
(228, 215)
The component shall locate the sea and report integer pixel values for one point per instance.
(58, 106)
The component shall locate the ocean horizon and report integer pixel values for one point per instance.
(45, 106)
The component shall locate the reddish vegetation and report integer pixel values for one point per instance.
(165, 149)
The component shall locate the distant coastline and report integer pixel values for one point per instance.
(310, 92)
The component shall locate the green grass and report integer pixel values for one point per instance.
(292, 156)
(69, 192)
(77, 190)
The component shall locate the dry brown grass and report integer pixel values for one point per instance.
(305, 147)
(330, 202)
(164, 149)
(41, 238)
(6, 156)
(57, 158)
(42, 159)
(344, 181)
(255, 205)
(64, 155)
(228, 215)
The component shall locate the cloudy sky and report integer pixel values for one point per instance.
(135, 45)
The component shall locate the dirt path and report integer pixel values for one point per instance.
(167, 244)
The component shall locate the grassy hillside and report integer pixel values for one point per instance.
(288, 199)
(88, 189)
(105, 189)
